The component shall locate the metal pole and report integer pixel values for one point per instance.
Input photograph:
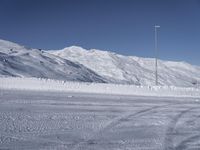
(156, 55)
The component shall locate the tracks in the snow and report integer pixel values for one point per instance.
(171, 132)
(176, 111)
(115, 122)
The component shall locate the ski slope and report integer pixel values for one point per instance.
(130, 69)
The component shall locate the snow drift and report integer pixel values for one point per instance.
(95, 88)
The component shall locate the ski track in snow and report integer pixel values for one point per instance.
(116, 121)
(189, 136)
(74, 121)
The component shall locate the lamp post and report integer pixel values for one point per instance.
(156, 54)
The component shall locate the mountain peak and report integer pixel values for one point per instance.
(74, 48)
(79, 64)
(130, 69)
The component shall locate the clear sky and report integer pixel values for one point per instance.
(122, 26)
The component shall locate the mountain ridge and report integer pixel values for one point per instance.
(131, 69)
(78, 64)
(19, 61)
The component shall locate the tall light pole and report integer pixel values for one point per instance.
(156, 54)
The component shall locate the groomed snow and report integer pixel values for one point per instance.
(38, 84)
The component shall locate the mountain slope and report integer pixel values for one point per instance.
(132, 70)
(19, 61)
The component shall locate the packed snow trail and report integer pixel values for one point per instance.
(72, 121)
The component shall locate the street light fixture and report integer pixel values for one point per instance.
(156, 54)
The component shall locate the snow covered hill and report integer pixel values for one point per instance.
(130, 69)
(19, 61)
(78, 64)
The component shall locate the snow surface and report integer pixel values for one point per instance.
(19, 61)
(39, 120)
(95, 88)
(130, 69)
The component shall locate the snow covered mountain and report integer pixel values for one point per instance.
(19, 61)
(130, 69)
(78, 64)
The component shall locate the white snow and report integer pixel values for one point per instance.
(95, 88)
(38, 113)
(130, 69)
(50, 120)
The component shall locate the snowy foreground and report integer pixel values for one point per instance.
(65, 115)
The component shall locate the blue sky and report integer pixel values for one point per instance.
(122, 26)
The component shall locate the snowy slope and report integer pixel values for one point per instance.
(19, 61)
(130, 69)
